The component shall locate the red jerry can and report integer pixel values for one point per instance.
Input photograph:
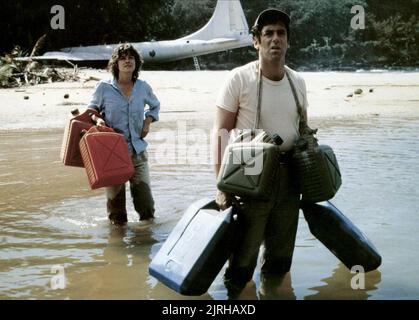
(70, 151)
(106, 157)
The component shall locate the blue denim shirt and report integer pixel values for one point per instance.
(123, 115)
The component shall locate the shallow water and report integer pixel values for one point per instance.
(51, 221)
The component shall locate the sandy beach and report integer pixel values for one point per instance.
(50, 217)
(194, 93)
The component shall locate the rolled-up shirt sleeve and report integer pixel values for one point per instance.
(153, 104)
(96, 101)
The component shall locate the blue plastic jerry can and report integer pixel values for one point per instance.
(196, 249)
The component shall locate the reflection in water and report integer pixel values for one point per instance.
(338, 285)
(276, 287)
(125, 255)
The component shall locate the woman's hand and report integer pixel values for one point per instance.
(146, 127)
(100, 122)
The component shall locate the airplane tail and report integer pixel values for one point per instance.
(227, 21)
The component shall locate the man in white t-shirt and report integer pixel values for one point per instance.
(277, 90)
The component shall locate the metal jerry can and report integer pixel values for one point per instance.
(317, 171)
(249, 169)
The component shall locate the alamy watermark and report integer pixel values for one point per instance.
(195, 146)
(358, 20)
(358, 281)
(58, 20)
(58, 281)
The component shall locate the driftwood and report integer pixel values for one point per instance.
(12, 77)
(38, 45)
(16, 73)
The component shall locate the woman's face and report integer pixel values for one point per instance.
(126, 63)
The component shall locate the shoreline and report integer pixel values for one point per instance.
(193, 93)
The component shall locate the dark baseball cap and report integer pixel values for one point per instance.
(270, 16)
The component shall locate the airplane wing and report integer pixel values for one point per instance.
(63, 56)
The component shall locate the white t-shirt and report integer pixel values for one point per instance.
(278, 108)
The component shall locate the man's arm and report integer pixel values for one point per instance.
(224, 122)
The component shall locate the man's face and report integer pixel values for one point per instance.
(273, 42)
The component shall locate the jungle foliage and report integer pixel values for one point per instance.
(321, 34)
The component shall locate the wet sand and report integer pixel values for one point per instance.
(50, 217)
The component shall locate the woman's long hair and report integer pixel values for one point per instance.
(121, 51)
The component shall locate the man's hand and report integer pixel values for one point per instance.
(223, 200)
(146, 127)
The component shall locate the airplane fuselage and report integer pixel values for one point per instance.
(160, 51)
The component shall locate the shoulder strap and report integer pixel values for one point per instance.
(303, 126)
(303, 120)
(259, 97)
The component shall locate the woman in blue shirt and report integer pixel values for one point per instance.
(122, 101)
